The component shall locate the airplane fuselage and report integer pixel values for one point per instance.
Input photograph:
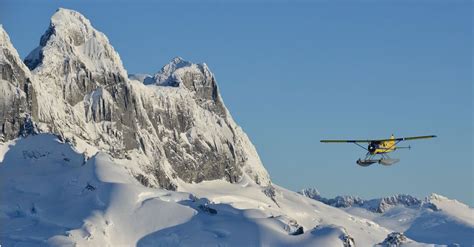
(381, 147)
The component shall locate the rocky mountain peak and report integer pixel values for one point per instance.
(193, 77)
(72, 43)
(170, 74)
(163, 77)
(64, 16)
(174, 132)
(3, 36)
(437, 197)
(9, 55)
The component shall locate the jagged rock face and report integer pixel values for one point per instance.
(338, 201)
(82, 85)
(379, 205)
(311, 193)
(394, 239)
(17, 96)
(196, 78)
(177, 129)
(345, 201)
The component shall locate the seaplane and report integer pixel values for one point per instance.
(377, 149)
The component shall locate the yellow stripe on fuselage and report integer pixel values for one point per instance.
(386, 146)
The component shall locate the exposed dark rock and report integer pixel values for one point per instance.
(17, 96)
(184, 133)
(298, 231)
(271, 193)
(143, 180)
(90, 187)
(347, 240)
(207, 209)
(394, 239)
(28, 127)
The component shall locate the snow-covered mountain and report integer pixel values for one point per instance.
(93, 156)
(379, 205)
(52, 194)
(81, 92)
(435, 219)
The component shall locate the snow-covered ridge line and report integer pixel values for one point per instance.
(434, 219)
(178, 128)
(101, 204)
(379, 205)
(85, 147)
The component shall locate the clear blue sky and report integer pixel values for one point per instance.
(292, 73)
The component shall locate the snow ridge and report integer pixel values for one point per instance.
(102, 205)
(79, 137)
(435, 219)
(379, 205)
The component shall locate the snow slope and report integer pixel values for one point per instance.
(53, 195)
(85, 152)
(436, 219)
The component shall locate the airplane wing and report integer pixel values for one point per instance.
(379, 140)
(345, 141)
(411, 138)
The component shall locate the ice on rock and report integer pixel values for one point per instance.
(394, 239)
(181, 131)
(17, 93)
(89, 157)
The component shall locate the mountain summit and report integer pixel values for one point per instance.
(71, 38)
(90, 156)
(177, 129)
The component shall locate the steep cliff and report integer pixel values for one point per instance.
(176, 129)
(18, 99)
